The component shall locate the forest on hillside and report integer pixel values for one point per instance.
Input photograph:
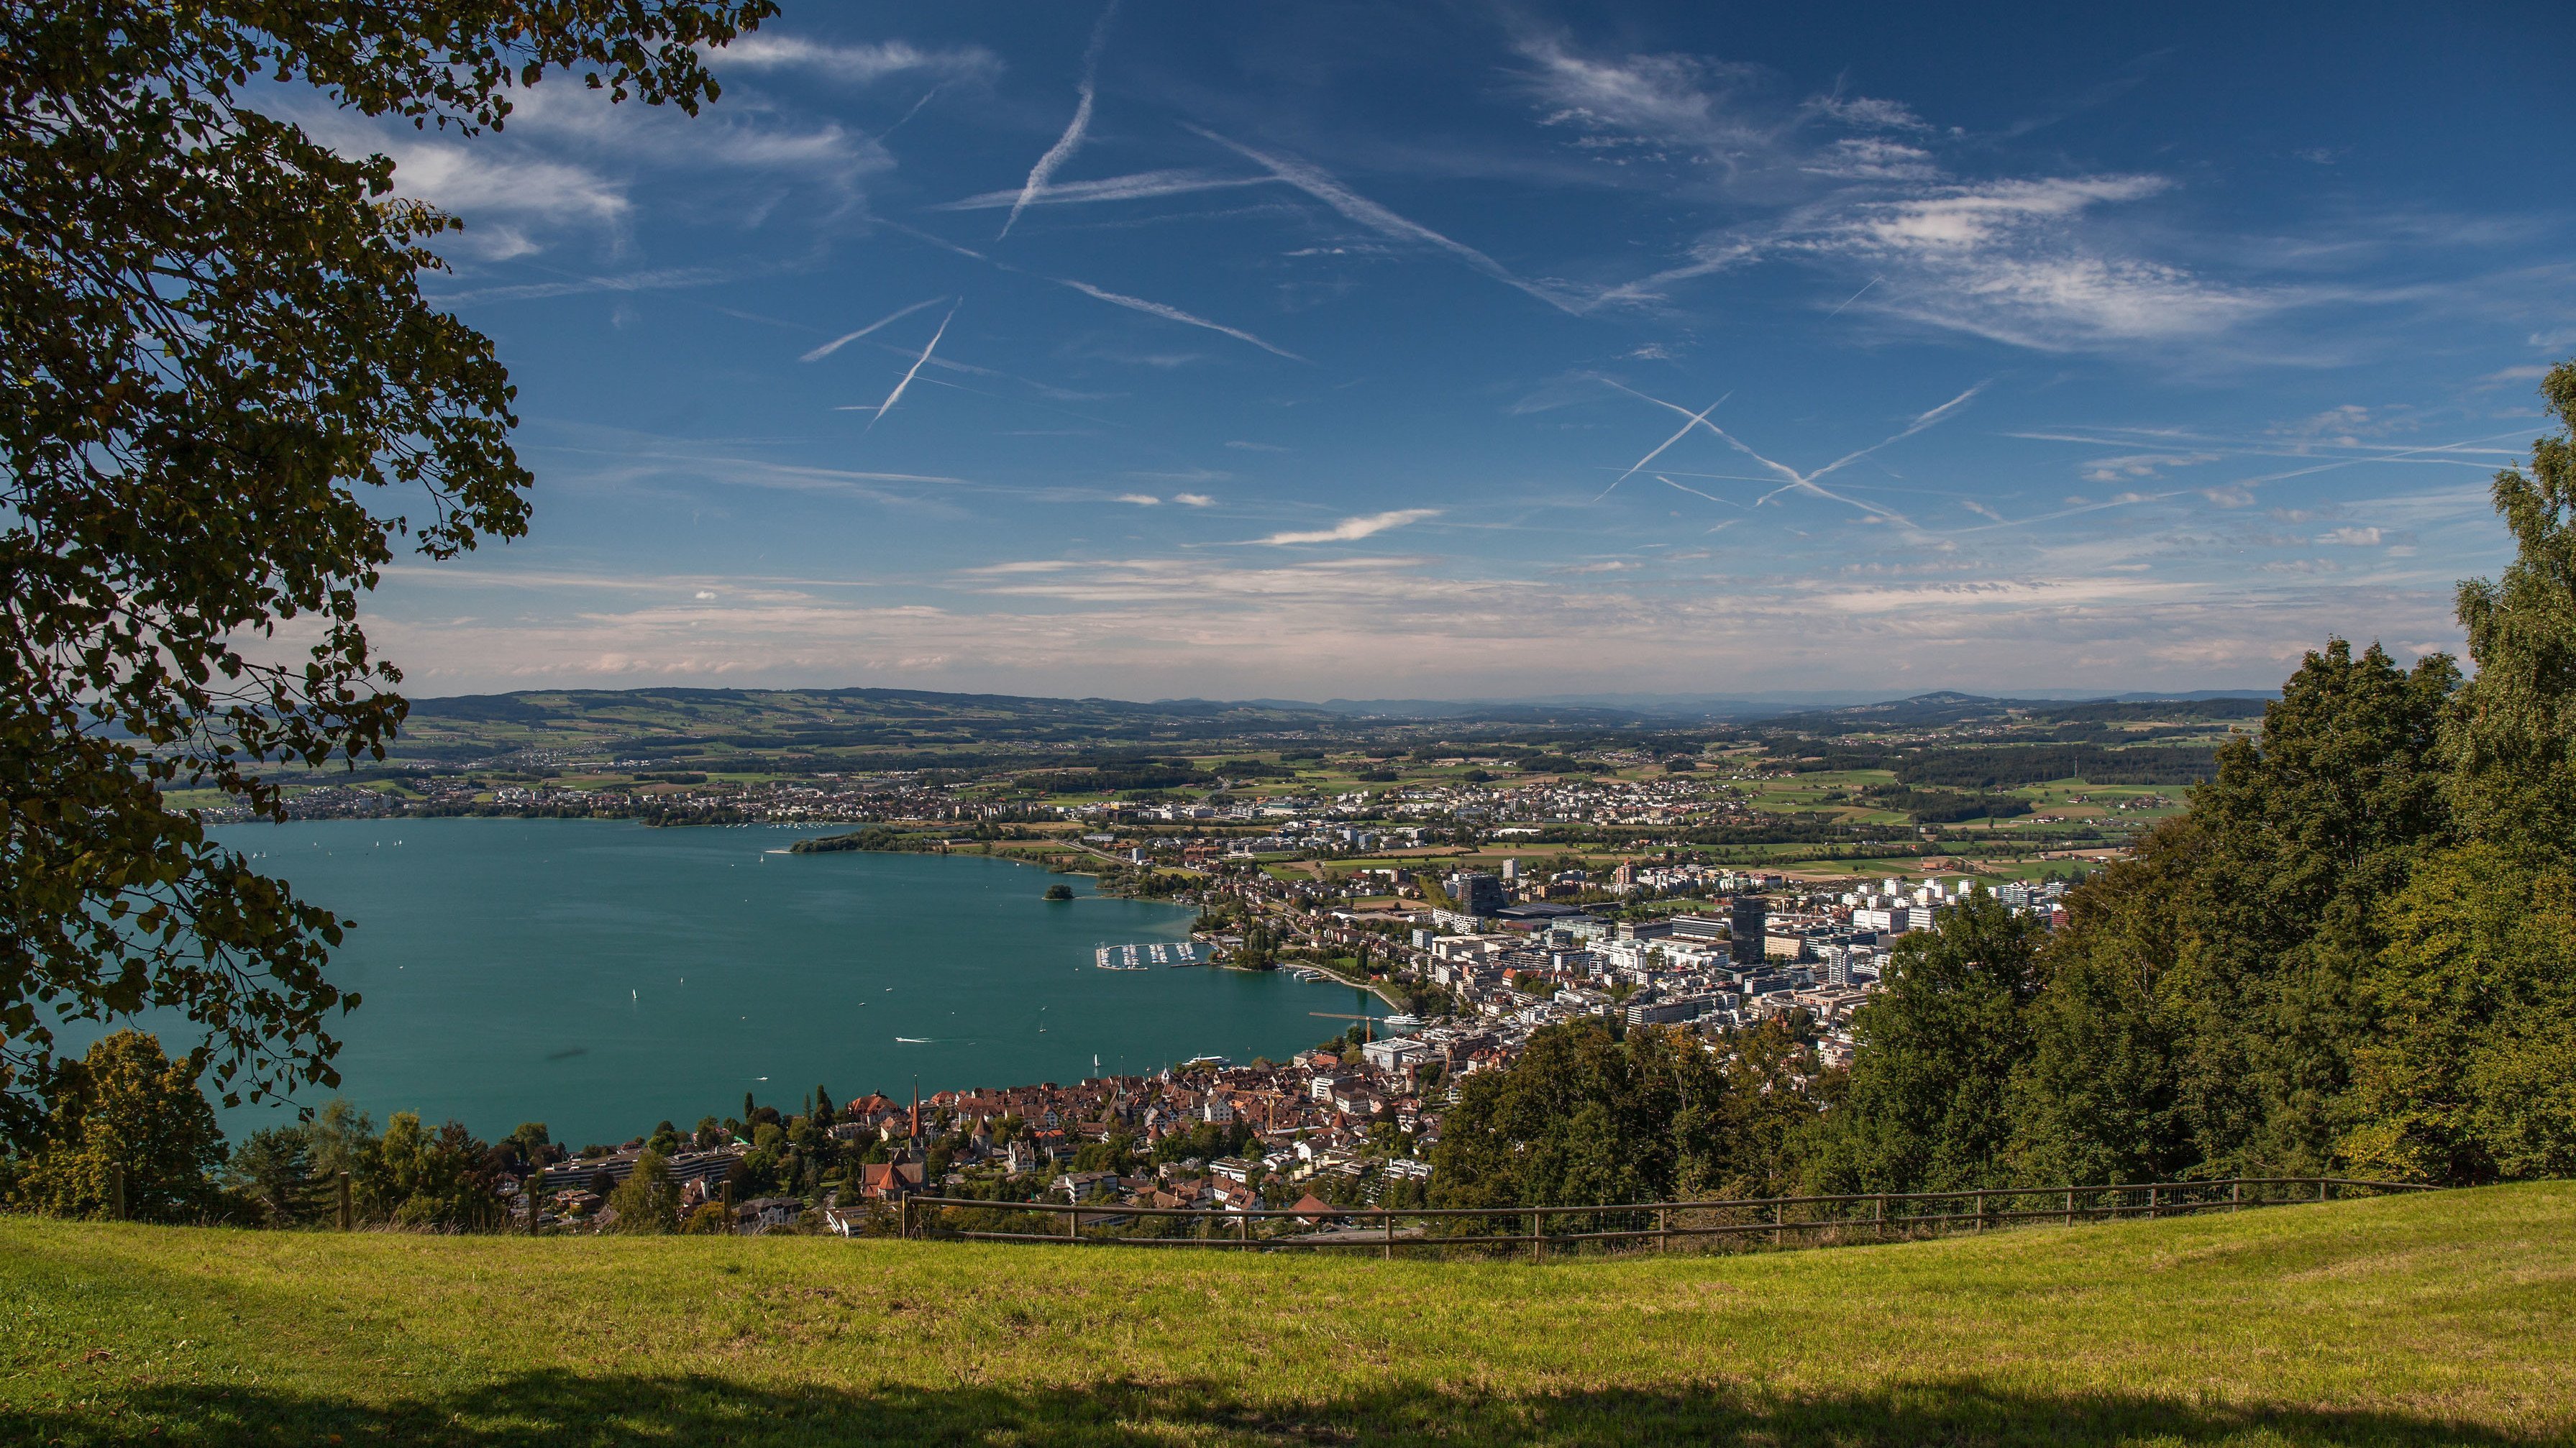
(2355, 953)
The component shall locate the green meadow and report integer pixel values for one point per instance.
(2441, 1318)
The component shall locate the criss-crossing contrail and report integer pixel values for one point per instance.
(1796, 481)
(846, 338)
(1696, 418)
(909, 373)
(1324, 187)
(1066, 144)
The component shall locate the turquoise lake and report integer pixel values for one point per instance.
(601, 976)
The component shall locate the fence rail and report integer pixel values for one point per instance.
(1875, 1216)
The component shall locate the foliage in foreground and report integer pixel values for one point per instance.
(225, 400)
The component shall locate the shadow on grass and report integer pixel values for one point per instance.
(557, 1408)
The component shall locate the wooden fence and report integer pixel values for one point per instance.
(1879, 1216)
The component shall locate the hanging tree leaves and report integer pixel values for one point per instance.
(223, 404)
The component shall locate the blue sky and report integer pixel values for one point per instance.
(1460, 350)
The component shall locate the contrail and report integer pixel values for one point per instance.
(1854, 297)
(1171, 314)
(1911, 428)
(1115, 299)
(1695, 419)
(1320, 184)
(1696, 493)
(916, 110)
(837, 343)
(1065, 145)
(1806, 482)
(892, 397)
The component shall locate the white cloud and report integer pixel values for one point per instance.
(1194, 500)
(2141, 465)
(1141, 500)
(1368, 525)
(863, 64)
(2351, 537)
(1868, 112)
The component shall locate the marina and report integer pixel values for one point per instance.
(1146, 955)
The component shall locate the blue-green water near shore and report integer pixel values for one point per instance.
(600, 977)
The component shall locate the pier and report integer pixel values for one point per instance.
(1147, 954)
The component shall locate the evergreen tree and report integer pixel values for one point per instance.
(271, 1175)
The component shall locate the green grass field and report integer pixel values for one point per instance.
(2447, 1318)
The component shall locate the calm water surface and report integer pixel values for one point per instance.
(600, 976)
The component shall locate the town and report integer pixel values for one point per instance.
(1352, 1122)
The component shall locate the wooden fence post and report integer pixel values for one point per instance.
(2321, 1189)
(1779, 1213)
(1073, 1225)
(1981, 1211)
(2151, 1204)
(2236, 1195)
(1879, 1215)
(1387, 1220)
(344, 1202)
(1663, 1229)
(1538, 1249)
(2070, 1206)
(1243, 1231)
(902, 1217)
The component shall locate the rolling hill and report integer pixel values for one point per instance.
(2445, 1318)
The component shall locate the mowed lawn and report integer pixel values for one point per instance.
(2444, 1318)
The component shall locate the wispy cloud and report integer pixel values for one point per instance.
(1085, 90)
(1194, 500)
(1366, 526)
(1316, 182)
(846, 338)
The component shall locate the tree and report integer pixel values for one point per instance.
(2513, 735)
(646, 1202)
(1582, 1119)
(271, 1174)
(125, 1108)
(1926, 1106)
(2468, 1076)
(2204, 1005)
(222, 401)
(437, 1179)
